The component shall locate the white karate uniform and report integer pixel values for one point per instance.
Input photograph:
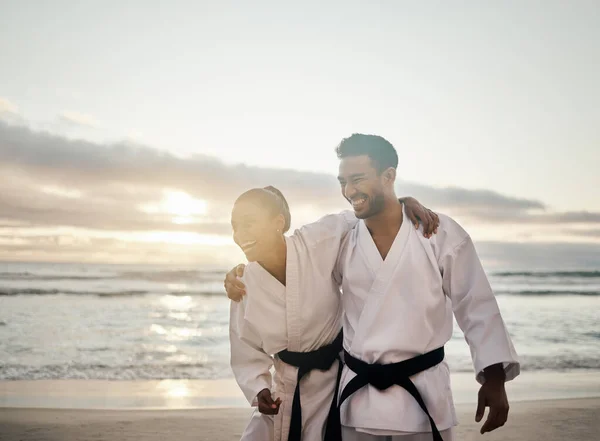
(351, 434)
(401, 307)
(302, 316)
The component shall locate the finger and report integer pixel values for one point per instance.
(424, 221)
(236, 291)
(267, 401)
(239, 270)
(480, 407)
(427, 227)
(266, 410)
(234, 297)
(262, 408)
(233, 281)
(239, 285)
(413, 218)
(502, 416)
(231, 278)
(232, 292)
(434, 222)
(430, 223)
(491, 422)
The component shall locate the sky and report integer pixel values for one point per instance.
(127, 130)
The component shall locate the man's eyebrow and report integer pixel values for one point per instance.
(353, 176)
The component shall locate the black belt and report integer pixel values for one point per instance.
(322, 359)
(383, 376)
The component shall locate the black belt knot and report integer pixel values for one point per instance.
(321, 359)
(384, 376)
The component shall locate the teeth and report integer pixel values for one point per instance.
(247, 245)
(358, 202)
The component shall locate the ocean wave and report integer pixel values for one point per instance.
(549, 292)
(183, 371)
(174, 275)
(52, 277)
(544, 274)
(151, 276)
(5, 292)
(187, 371)
(126, 293)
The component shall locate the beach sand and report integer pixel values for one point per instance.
(545, 406)
(547, 420)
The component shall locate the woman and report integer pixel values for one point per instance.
(291, 319)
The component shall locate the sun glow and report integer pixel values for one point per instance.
(183, 238)
(183, 207)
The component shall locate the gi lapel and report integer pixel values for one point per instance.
(383, 271)
(292, 300)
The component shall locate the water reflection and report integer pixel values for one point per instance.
(177, 303)
(175, 393)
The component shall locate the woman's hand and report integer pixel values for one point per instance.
(234, 287)
(418, 214)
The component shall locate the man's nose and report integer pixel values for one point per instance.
(349, 190)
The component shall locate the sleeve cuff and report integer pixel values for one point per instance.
(511, 369)
(251, 393)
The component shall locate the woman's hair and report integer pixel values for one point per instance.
(273, 199)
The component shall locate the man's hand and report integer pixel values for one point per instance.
(419, 214)
(493, 395)
(234, 287)
(266, 405)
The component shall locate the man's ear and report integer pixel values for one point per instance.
(389, 175)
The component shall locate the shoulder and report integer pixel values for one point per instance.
(251, 274)
(328, 227)
(254, 292)
(451, 228)
(450, 235)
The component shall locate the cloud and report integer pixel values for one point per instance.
(9, 112)
(594, 232)
(474, 199)
(7, 107)
(65, 248)
(568, 217)
(50, 180)
(79, 119)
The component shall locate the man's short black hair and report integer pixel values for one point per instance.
(381, 151)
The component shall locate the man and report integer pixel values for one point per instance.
(400, 290)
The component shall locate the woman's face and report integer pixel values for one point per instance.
(254, 228)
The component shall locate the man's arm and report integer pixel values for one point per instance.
(340, 223)
(234, 287)
(477, 313)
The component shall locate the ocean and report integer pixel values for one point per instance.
(129, 322)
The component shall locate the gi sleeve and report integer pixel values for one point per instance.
(476, 310)
(249, 363)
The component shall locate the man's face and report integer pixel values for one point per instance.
(362, 185)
